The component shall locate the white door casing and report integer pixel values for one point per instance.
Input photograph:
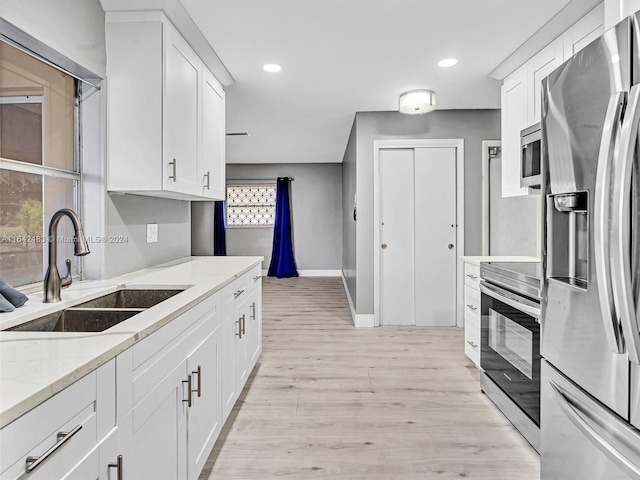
(458, 145)
(396, 249)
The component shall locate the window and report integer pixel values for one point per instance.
(39, 171)
(251, 205)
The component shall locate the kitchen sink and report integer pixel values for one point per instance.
(100, 313)
(130, 298)
(78, 320)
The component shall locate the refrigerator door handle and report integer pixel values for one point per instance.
(602, 212)
(621, 228)
(589, 424)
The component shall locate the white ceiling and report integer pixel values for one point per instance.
(340, 57)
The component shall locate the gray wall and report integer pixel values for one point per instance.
(471, 125)
(348, 204)
(316, 208)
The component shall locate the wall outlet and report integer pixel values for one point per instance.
(152, 232)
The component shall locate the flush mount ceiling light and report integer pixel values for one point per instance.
(417, 101)
(447, 62)
(272, 68)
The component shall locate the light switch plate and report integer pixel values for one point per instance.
(152, 232)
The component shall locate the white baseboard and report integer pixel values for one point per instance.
(361, 320)
(314, 273)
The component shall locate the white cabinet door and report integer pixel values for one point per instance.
(153, 436)
(515, 117)
(541, 65)
(583, 32)
(241, 348)
(230, 337)
(212, 158)
(254, 328)
(205, 414)
(182, 78)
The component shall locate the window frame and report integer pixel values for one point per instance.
(74, 175)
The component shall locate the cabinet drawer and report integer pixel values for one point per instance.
(237, 291)
(472, 344)
(471, 303)
(472, 275)
(178, 327)
(36, 432)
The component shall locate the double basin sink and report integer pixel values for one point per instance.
(100, 313)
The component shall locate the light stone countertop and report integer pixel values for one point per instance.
(34, 366)
(476, 260)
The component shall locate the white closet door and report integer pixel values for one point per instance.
(435, 236)
(396, 247)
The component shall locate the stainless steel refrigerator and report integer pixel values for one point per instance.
(590, 341)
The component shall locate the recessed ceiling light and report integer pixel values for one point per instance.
(272, 67)
(447, 62)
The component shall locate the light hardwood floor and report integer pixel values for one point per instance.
(328, 401)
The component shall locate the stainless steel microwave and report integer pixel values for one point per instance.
(530, 156)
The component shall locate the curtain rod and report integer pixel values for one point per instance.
(237, 181)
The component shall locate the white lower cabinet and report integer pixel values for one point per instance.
(159, 406)
(472, 324)
(63, 437)
(176, 417)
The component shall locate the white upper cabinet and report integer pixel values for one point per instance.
(165, 112)
(212, 164)
(521, 95)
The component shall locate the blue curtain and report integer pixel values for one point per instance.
(282, 262)
(219, 229)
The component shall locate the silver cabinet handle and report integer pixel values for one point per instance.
(189, 383)
(601, 223)
(238, 292)
(174, 176)
(118, 467)
(472, 307)
(472, 277)
(63, 437)
(208, 177)
(257, 277)
(199, 384)
(242, 323)
(472, 344)
(239, 322)
(622, 279)
(253, 310)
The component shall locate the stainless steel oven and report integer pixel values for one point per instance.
(510, 343)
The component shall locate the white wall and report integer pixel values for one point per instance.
(75, 30)
(316, 209)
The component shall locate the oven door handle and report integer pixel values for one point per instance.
(510, 299)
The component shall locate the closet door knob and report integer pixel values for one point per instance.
(384, 246)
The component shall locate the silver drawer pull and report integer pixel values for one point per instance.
(189, 382)
(472, 276)
(173, 164)
(472, 344)
(208, 177)
(63, 437)
(257, 277)
(118, 467)
(237, 293)
(472, 307)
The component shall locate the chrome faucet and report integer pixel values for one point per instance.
(52, 281)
